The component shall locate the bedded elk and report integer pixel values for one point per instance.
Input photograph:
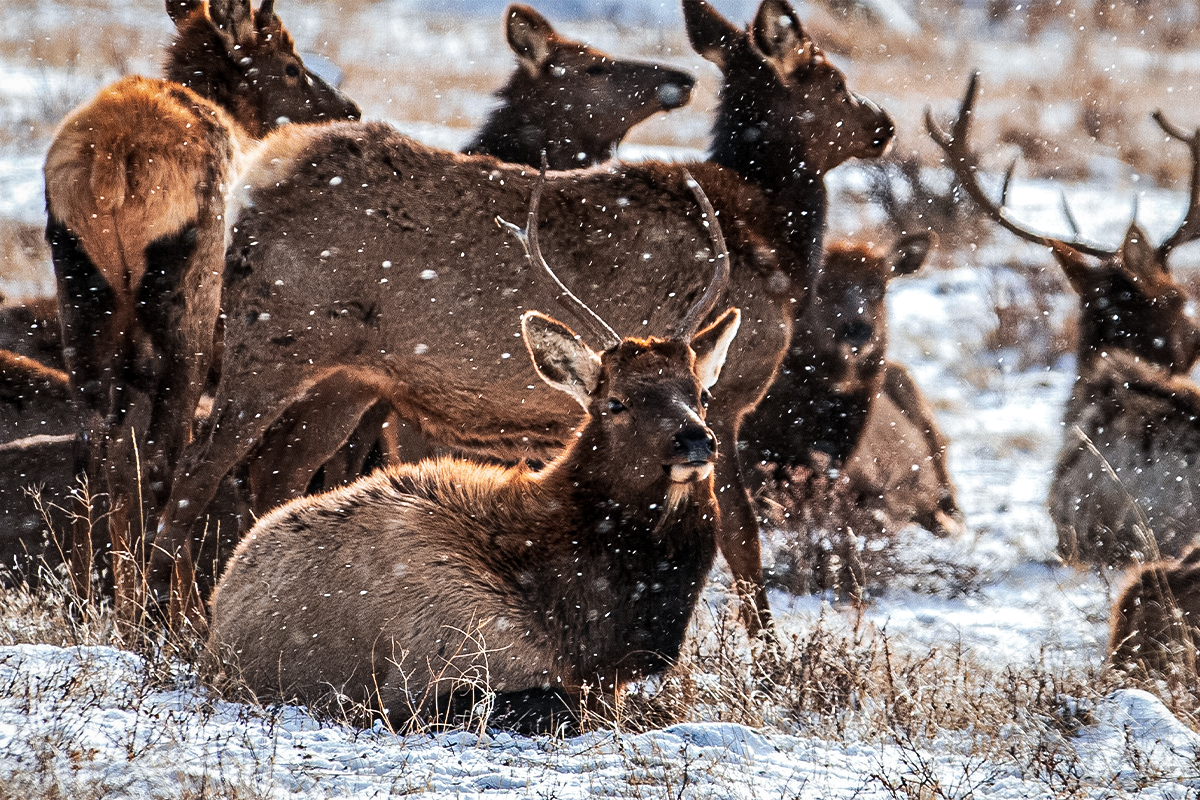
(1155, 625)
(563, 584)
(565, 99)
(1125, 484)
(834, 384)
(136, 183)
(415, 296)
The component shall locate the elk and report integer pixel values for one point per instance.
(565, 99)
(1125, 483)
(413, 297)
(136, 183)
(30, 328)
(1156, 620)
(571, 100)
(835, 389)
(569, 581)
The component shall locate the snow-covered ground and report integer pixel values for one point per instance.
(102, 722)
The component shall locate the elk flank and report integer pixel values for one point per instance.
(1156, 621)
(626, 234)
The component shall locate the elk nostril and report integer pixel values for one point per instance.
(672, 95)
(695, 444)
(857, 333)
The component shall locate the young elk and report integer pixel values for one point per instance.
(412, 586)
(1156, 620)
(833, 386)
(136, 184)
(1125, 484)
(565, 99)
(416, 297)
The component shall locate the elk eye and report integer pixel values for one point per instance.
(615, 406)
(292, 71)
(705, 398)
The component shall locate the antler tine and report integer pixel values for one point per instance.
(1189, 229)
(528, 237)
(720, 280)
(965, 165)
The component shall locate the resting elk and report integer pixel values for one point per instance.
(565, 99)
(1156, 620)
(417, 296)
(1126, 481)
(136, 182)
(411, 588)
(835, 384)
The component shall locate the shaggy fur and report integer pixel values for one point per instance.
(414, 588)
(1156, 621)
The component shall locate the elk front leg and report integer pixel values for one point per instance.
(738, 536)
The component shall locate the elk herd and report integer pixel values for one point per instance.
(285, 369)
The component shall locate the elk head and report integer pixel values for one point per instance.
(645, 398)
(223, 47)
(1128, 299)
(571, 98)
(781, 94)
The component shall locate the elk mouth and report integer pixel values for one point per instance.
(689, 471)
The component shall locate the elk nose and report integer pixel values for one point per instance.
(884, 130)
(856, 333)
(677, 91)
(695, 444)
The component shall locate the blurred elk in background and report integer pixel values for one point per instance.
(1128, 476)
(136, 183)
(1155, 626)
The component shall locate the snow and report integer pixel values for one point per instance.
(85, 716)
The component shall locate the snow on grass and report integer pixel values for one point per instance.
(91, 721)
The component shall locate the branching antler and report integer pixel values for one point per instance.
(965, 164)
(1189, 229)
(528, 237)
(720, 280)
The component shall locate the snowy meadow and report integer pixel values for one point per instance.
(973, 668)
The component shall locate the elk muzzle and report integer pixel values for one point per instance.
(880, 129)
(694, 451)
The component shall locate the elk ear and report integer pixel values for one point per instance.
(530, 36)
(711, 35)
(1076, 266)
(911, 251)
(233, 21)
(560, 357)
(711, 346)
(779, 36)
(180, 10)
(1138, 257)
(266, 20)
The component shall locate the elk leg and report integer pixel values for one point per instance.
(738, 536)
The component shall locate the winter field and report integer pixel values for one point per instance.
(974, 670)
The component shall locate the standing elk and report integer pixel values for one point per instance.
(1156, 620)
(361, 252)
(405, 591)
(565, 99)
(570, 100)
(1126, 482)
(136, 183)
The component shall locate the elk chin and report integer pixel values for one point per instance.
(682, 477)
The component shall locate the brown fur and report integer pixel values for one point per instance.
(1156, 621)
(31, 328)
(136, 181)
(416, 585)
(322, 300)
(569, 99)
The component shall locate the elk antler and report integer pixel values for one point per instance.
(720, 280)
(527, 236)
(965, 165)
(1189, 229)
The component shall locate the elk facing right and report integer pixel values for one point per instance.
(1128, 475)
(412, 588)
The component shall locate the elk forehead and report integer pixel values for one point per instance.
(644, 362)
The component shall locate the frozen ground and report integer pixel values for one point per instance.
(99, 720)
